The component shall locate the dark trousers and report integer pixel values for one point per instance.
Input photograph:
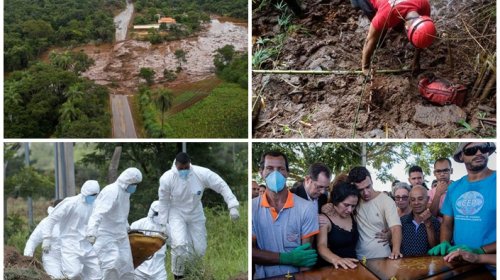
(365, 6)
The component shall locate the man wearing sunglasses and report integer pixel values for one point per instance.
(442, 172)
(469, 209)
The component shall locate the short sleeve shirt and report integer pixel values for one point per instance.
(373, 216)
(392, 12)
(473, 207)
(415, 241)
(282, 231)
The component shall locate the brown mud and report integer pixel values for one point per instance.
(331, 37)
(17, 266)
(118, 67)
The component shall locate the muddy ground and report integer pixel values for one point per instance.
(19, 267)
(331, 37)
(118, 66)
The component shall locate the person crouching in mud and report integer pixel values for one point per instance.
(386, 14)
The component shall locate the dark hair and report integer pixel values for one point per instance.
(415, 168)
(358, 174)
(317, 168)
(263, 186)
(182, 158)
(442, 159)
(395, 182)
(341, 191)
(57, 201)
(273, 154)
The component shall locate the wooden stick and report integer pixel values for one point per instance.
(328, 72)
(488, 87)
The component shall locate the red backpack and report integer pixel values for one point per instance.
(441, 91)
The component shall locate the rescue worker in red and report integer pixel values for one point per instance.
(387, 14)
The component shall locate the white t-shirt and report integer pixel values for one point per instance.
(373, 216)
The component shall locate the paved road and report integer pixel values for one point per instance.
(122, 20)
(123, 123)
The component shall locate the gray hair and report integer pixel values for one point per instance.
(400, 185)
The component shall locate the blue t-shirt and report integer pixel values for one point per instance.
(473, 207)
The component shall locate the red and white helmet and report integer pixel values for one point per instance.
(422, 32)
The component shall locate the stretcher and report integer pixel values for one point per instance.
(145, 246)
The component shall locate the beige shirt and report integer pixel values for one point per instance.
(373, 216)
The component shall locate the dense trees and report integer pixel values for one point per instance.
(231, 65)
(31, 27)
(46, 100)
(235, 8)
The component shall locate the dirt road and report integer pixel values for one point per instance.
(123, 123)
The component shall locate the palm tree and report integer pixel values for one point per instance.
(74, 92)
(163, 99)
(69, 112)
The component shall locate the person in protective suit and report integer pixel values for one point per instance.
(181, 212)
(52, 259)
(108, 226)
(154, 268)
(78, 258)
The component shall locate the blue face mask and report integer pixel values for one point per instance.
(89, 199)
(183, 173)
(275, 181)
(131, 189)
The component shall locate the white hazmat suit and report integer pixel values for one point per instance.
(52, 259)
(78, 258)
(182, 213)
(108, 226)
(154, 268)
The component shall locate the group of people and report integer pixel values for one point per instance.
(86, 236)
(304, 227)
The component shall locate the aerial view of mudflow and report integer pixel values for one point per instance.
(126, 69)
(308, 80)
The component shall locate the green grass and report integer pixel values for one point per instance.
(186, 96)
(223, 114)
(227, 254)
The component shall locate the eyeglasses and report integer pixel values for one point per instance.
(484, 148)
(403, 198)
(320, 186)
(446, 170)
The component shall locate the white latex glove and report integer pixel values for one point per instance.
(91, 239)
(46, 245)
(166, 230)
(234, 214)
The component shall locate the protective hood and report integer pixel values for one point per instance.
(50, 209)
(155, 206)
(174, 168)
(130, 176)
(90, 187)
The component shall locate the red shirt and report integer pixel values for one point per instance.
(391, 12)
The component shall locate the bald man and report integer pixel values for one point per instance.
(420, 228)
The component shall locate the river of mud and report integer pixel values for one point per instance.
(118, 66)
(330, 37)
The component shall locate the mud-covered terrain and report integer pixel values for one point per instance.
(118, 66)
(330, 36)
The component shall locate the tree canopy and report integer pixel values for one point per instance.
(31, 27)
